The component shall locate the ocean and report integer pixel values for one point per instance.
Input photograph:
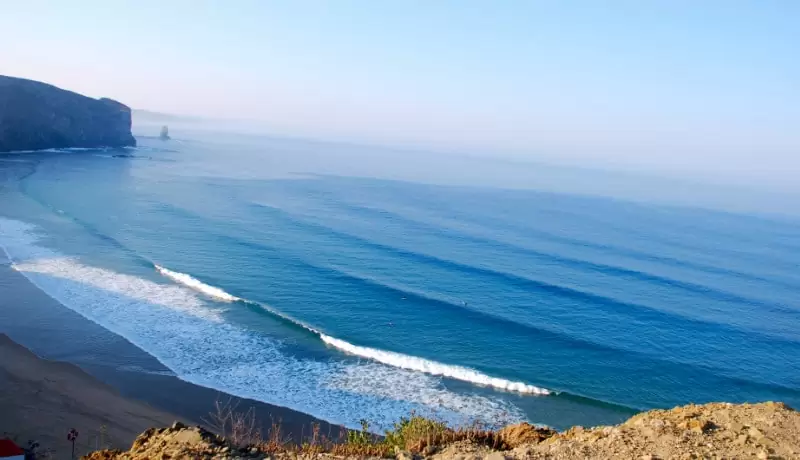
(356, 283)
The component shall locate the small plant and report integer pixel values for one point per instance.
(416, 432)
(276, 442)
(316, 445)
(361, 438)
(102, 440)
(238, 427)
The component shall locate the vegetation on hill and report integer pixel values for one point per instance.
(763, 431)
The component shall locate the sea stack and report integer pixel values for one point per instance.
(164, 133)
(36, 116)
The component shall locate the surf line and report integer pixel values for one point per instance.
(389, 358)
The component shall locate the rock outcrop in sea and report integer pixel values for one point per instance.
(36, 116)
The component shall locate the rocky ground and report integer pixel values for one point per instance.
(714, 431)
(724, 431)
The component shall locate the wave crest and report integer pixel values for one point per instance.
(194, 283)
(389, 358)
(432, 367)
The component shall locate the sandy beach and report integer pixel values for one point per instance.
(42, 400)
(60, 371)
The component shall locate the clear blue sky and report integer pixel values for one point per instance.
(709, 87)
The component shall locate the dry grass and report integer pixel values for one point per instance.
(419, 434)
(415, 434)
(240, 428)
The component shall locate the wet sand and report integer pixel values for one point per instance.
(59, 370)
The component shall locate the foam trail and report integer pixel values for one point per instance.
(432, 367)
(399, 360)
(194, 283)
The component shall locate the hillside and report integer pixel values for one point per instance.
(766, 430)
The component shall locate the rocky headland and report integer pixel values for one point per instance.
(37, 116)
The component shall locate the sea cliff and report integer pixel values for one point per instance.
(36, 116)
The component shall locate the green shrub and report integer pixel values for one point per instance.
(415, 432)
(361, 438)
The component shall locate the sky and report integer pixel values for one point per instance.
(707, 89)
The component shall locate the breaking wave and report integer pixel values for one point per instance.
(432, 367)
(390, 358)
(194, 283)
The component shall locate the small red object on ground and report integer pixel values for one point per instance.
(9, 449)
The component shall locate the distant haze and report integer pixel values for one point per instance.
(706, 90)
(274, 156)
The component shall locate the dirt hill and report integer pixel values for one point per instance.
(724, 431)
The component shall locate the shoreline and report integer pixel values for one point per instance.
(56, 343)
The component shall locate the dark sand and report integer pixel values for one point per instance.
(41, 400)
(85, 377)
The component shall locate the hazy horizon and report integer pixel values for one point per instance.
(703, 91)
(459, 168)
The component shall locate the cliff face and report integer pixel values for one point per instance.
(35, 115)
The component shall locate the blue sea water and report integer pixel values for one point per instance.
(352, 284)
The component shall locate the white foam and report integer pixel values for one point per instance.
(386, 357)
(190, 336)
(194, 283)
(44, 264)
(432, 367)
